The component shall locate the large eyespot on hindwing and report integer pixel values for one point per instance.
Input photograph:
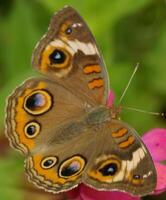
(38, 102)
(32, 129)
(109, 168)
(106, 169)
(72, 167)
(49, 162)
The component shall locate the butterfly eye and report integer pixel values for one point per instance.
(57, 57)
(72, 167)
(49, 162)
(32, 129)
(38, 102)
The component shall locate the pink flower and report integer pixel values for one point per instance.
(155, 141)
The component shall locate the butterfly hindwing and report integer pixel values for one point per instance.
(62, 160)
(122, 161)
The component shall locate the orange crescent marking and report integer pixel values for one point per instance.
(127, 143)
(92, 69)
(119, 133)
(96, 83)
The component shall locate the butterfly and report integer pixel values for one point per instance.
(62, 124)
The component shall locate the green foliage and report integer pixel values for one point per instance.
(127, 32)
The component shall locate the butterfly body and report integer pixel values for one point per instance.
(62, 124)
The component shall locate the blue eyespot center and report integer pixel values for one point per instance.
(31, 130)
(35, 101)
(57, 57)
(47, 163)
(38, 102)
(71, 169)
(109, 169)
(72, 166)
(136, 176)
(68, 31)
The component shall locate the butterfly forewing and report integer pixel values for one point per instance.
(68, 54)
(36, 109)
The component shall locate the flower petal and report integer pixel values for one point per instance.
(74, 193)
(155, 140)
(161, 178)
(110, 99)
(87, 193)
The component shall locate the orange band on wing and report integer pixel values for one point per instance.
(22, 118)
(96, 83)
(127, 143)
(92, 69)
(34, 168)
(119, 133)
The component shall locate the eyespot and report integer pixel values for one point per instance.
(49, 162)
(69, 30)
(109, 167)
(105, 169)
(72, 167)
(38, 102)
(57, 57)
(137, 179)
(136, 176)
(32, 129)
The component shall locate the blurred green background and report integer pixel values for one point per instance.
(126, 31)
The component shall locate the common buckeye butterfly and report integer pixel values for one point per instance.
(61, 121)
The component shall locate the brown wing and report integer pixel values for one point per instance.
(61, 162)
(121, 161)
(36, 109)
(68, 53)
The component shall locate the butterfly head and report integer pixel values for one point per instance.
(115, 112)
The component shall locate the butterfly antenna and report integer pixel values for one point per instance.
(128, 84)
(144, 111)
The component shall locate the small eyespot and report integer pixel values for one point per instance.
(38, 102)
(49, 162)
(72, 167)
(57, 57)
(32, 129)
(69, 30)
(136, 176)
(109, 169)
